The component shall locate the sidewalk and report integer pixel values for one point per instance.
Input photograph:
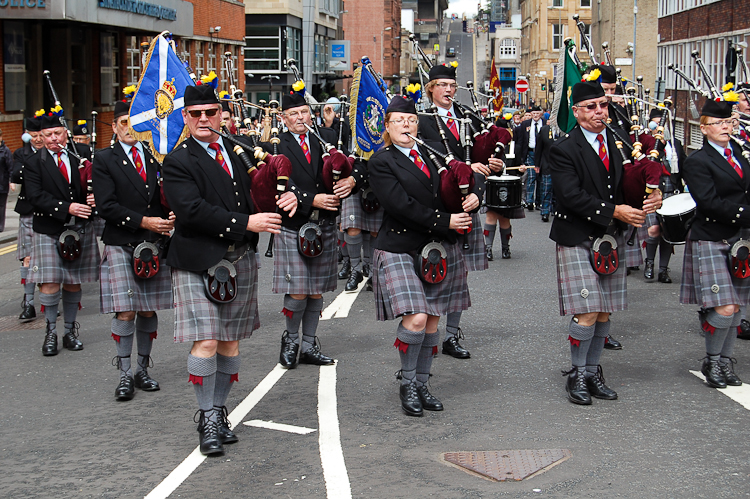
(10, 234)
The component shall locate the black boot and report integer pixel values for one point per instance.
(506, 253)
(744, 330)
(70, 338)
(648, 269)
(664, 276)
(612, 344)
(125, 390)
(49, 347)
(142, 379)
(353, 283)
(315, 357)
(346, 269)
(597, 388)
(289, 349)
(28, 313)
(428, 400)
(578, 392)
(209, 434)
(727, 370)
(366, 269)
(713, 374)
(226, 435)
(452, 347)
(410, 402)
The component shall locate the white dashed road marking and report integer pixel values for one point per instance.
(270, 425)
(740, 394)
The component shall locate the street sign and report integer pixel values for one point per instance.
(522, 85)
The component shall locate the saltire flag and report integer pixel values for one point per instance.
(155, 114)
(496, 89)
(567, 74)
(367, 113)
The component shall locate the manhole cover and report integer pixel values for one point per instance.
(11, 323)
(504, 465)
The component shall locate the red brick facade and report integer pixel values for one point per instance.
(707, 20)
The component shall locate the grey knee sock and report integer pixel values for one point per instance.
(122, 333)
(293, 310)
(505, 235)
(651, 245)
(489, 234)
(409, 344)
(354, 243)
(601, 331)
(727, 349)
(310, 321)
(28, 287)
(366, 248)
(51, 303)
(580, 342)
(665, 253)
(426, 353)
(452, 321)
(71, 300)
(202, 372)
(716, 332)
(342, 244)
(145, 332)
(227, 369)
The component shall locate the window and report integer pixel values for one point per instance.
(587, 31)
(506, 74)
(696, 137)
(669, 7)
(557, 36)
(211, 66)
(507, 49)
(133, 60)
(585, 3)
(198, 69)
(263, 48)
(109, 69)
(679, 130)
(293, 43)
(185, 52)
(321, 54)
(557, 3)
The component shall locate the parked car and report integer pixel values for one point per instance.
(451, 52)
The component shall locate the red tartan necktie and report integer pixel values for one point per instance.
(452, 125)
(418, 161)
(220, 157)
(728, 155)
(603, 151)
(138, 163)
(61, 166)
(304, 147)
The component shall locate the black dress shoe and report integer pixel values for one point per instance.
(452, 347)
(545, 218)
(28, 314)
(209, 435)
(727, 369)
(125, 390)
(664, 276)
(353, 283)
(597, 388)
(648, 269)
(410, 401)
(314, 357)
(428, 400)
(577, 388)
(346, 269)
(145, 382)
(635, 267)
(506, 253)
(71, 342)
(612, 344)
(744, 330)
(368, 284)
(289, 349)
(366, 269)
(489, 254)
(530, 206)
(49, 347)
(713, 374)
(226, 435)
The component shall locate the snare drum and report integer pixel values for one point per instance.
(504, 192)
(674, 216)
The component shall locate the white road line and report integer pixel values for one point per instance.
(342, 304)
(270, 425)
(191, 463)
(740, 394)
(331, 453)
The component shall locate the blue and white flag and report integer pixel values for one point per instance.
(155, 114)
(367, 113)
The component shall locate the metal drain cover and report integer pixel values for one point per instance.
(506, 465)
(11, 323)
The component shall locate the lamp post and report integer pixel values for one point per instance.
(270, 79)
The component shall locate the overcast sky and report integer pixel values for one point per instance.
(463, 6)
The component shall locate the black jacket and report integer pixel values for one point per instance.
(521, 135)
(721, 196)
(414, 213)
(579, 178)
(122, 198)
(23, 206)
(6, 168)
(543, 145)
(212, 209)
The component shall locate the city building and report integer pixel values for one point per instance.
(709, 27)
(93, 50)
(428, 17)
(507, 53)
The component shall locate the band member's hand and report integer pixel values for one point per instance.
(264, 222)
(326, 202)
(157, 224)
(471, 203)
(630, 215)
(460, 221)
(287, 202)
(480, 168)
(343, 188)
(13, 187)
(536, 169)
(90, 199)
(496, 164)
(172, 216)
(653, 201)
(79, 210)
(328, 115)
(522, 169)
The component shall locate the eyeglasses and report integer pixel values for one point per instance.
(443, 84)
(592, 106)
(210, 113)
(729, 122)
(411, 121)
(295, 114)
(125, 121)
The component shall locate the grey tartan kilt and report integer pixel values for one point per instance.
(197, 318)
(295, 274)
(25, 236)
(354, 217)
(634, 253)
(99, 224)
(399, 291)
(581, 290)
(706, 279)
(47, 266)
(122, 291)
(476, 256)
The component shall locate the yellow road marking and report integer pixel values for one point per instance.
(8, 249)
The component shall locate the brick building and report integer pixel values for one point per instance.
(93, 50)
(706, 26)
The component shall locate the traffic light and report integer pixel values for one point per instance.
(544, 87)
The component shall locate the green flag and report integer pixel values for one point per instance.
(568, 74)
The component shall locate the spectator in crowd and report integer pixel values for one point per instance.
(6, 166)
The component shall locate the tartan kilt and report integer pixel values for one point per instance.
(510, 213)
(354, 217)
(99, 224)
(197, 318)
(581, 290)
(47, 266)
(122, 291)
(706, 279)
(634, 253)
(476, 256)
(399, 291)
(25, 236)
(295, 274)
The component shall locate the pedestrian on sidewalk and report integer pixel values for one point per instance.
(6, 166)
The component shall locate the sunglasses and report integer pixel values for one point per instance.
(210, 113)
(592, 106)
